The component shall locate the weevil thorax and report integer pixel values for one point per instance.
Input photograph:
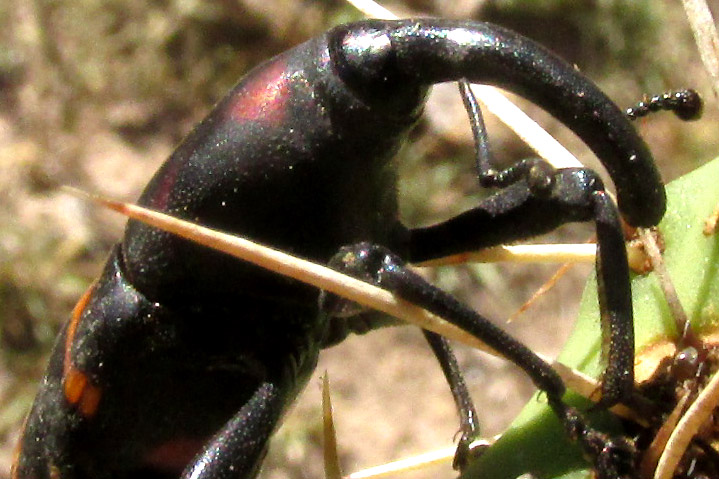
(291, 157)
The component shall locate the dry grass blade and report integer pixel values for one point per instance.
(332, 461)
(420, 461)
(706, 37)
(659, 443)
(546, 287)
(536, 253)
(670, 292)
(439, 456)
(526, 253)
(697, 415)
(372, 9)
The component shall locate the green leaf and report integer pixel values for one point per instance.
(535, 442)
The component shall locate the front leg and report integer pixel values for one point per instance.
(614, 458)
(536, 198)
(347, 316)
(517, 212)
(237, 450)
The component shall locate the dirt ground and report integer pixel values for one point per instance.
(95, 95)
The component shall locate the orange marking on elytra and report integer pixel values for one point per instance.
(76, 385)
(90, 400)
(72, 326)
(81, 393)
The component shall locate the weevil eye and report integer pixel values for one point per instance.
(368, 52)
(366, 60)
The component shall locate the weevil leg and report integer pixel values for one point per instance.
(613, 456)
(348, 316)
(537, 171)
(536, 198)
(237, 450)
(469, 426)
(615, 303)
(483, 152)
(515, 213)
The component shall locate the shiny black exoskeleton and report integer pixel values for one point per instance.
(180, 362)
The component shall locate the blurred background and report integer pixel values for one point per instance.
(95, 94)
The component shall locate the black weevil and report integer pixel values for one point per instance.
(180, 362)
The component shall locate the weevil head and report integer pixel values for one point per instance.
(389, 66)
